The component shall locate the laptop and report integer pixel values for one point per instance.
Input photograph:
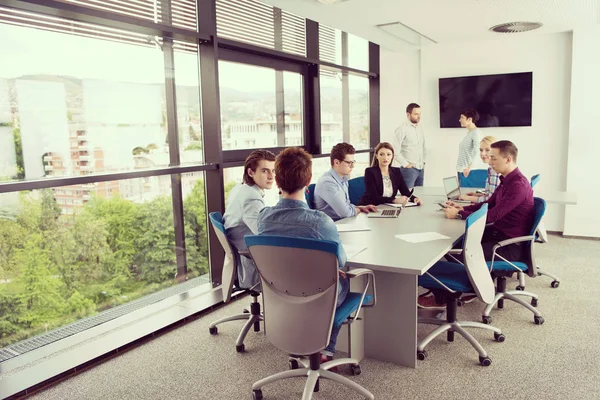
(452, 188)
(386, 213)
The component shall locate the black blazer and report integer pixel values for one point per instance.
(374, 186)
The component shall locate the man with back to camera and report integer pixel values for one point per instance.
(243, 204)
(511, 209)
(409, 143)
(331, 191)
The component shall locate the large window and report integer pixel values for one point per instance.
(260, 107)
(73, 251)
(75, 109)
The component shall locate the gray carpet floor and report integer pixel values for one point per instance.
(557, 360)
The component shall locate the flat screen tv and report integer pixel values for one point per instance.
(500, 100)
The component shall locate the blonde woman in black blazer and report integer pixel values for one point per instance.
(382, 181)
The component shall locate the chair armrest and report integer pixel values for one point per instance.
(370, 278)
(454, 251)
(450, 253)
(519, 239)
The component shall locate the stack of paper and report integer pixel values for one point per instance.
(421, 237)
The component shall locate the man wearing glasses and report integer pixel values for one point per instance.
(331, 191)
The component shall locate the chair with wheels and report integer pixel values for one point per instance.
(449, 280)
(356, 189)
(501, 268)
(310, 196)
(300, 299)
(228, 285)
(541, 236)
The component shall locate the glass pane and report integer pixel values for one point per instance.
(293, 124)
(189, 113)
(78, 115)
(74, 251)
(195, 223)
(330, 44)
(359, 111)
(358, 52)
(331, 110)
(249, 107)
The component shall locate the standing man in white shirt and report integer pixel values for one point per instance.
(409, 145)
(243, 204)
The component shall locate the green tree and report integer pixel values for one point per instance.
(156, 243)
(193, 146)
(40, 297)
(138, 151)
(12, 236)
(18, 151)
(120, 217)
(194, 215)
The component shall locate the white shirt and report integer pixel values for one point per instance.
(409, 146)
(388, 190)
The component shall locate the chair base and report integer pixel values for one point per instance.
(540, 272)
(450, 326)
(503, 294)
(253, 319)
(313, 372)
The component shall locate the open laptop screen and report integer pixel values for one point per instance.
(451, 187)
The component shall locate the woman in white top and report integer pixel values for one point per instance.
(493, 178)
(469, 147)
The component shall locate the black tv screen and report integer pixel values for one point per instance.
(500, 100)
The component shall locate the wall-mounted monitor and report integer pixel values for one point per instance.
(500, 100)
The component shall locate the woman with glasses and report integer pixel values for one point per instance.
(382, 181)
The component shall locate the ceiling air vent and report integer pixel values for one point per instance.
(515, 27)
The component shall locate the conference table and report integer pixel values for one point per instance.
(390, 328)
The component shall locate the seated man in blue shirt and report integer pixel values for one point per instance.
(331, 191)
(243, 204)
(292, 216)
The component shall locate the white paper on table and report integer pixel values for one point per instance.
(353, 249)
(351, 227)
(408, 204)
(421, 237)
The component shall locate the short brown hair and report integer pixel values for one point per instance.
(252, 162)
(293, 169)
(340, 150)
(411, 107)
(382, 145)
(470, 113)
(506, 148)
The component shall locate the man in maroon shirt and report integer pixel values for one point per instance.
(510, 209)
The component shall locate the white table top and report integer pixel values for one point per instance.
(551, 196)
(385, 252)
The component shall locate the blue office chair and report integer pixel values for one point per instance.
(449, 280)
(310, 196)
(300, 299)
(356, 189)
(228, 285)
(501, 268)
(541, 236)
(476, 178)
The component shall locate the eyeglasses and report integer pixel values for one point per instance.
(351, 164)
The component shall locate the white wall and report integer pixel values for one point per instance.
(399, 87)
(543, 146)
(584, 139)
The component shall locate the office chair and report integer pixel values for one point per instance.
(300, 299)
(541, 236)
(476, 179)
(449, 280)
(230, 266)
(356, 189)
(310, 196)
(504, 268)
